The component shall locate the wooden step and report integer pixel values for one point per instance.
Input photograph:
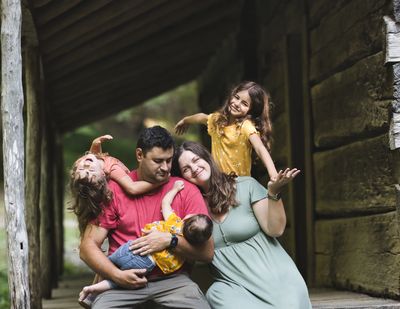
(330, 298)
(65, 297)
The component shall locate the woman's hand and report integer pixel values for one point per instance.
(276, 184)
(181, 127)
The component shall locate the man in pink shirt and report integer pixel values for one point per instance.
(123, 220)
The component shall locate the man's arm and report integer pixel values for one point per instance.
(155, 241)
(91, 254)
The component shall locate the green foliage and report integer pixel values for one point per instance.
(165, 110)
(4, 295)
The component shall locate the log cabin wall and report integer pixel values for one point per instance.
(323, 63)
(356, 232)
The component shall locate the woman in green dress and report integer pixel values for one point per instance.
(250, 268)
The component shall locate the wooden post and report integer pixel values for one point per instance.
(46, 211)
(59, 203)
(32, 78)
(13, 153)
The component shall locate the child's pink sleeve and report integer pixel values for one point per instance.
(115, 168)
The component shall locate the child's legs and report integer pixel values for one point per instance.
(89, 292)
(100, 287)
(125, 259)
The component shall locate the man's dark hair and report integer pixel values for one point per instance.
(155, 137)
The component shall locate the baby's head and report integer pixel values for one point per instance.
(197, 229)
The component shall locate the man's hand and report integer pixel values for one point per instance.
(131, 278)
(152, 241)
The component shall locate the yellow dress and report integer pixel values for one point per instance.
(232, 149)
(165, 260)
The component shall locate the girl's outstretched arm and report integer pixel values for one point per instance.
(135, 187)
(166, 208)
(183, 124)
(96, 144)
(263, 154)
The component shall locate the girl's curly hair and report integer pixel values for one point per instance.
(89, 198)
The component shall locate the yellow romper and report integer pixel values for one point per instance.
(165, 260)
(231, 150)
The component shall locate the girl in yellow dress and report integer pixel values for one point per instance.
(241, 125)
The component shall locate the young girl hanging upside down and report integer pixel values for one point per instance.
(89, 176)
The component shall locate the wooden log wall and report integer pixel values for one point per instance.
(328, 57)
(349, 94)
(356, 231)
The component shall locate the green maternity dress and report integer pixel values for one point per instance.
(252, 270)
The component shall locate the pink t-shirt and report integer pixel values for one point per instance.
(126, 215)
(114, 168)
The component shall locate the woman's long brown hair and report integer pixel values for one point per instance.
(222, 187)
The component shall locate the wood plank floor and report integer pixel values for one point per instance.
(65, 297)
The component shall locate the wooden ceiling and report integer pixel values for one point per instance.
(103, 56)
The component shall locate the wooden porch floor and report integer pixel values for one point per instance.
(65, 297)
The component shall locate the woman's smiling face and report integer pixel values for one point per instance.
(194, 169)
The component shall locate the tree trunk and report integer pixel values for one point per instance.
(13, 153)
(32, 78)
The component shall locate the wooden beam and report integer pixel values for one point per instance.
(159, 58)
(12, 101)
(125, 85)
(71, 17)
(40, 3)
(179, 36)
(113, 23)
(122, 44)
(53, 10)
(130, 98)
(345, 179)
